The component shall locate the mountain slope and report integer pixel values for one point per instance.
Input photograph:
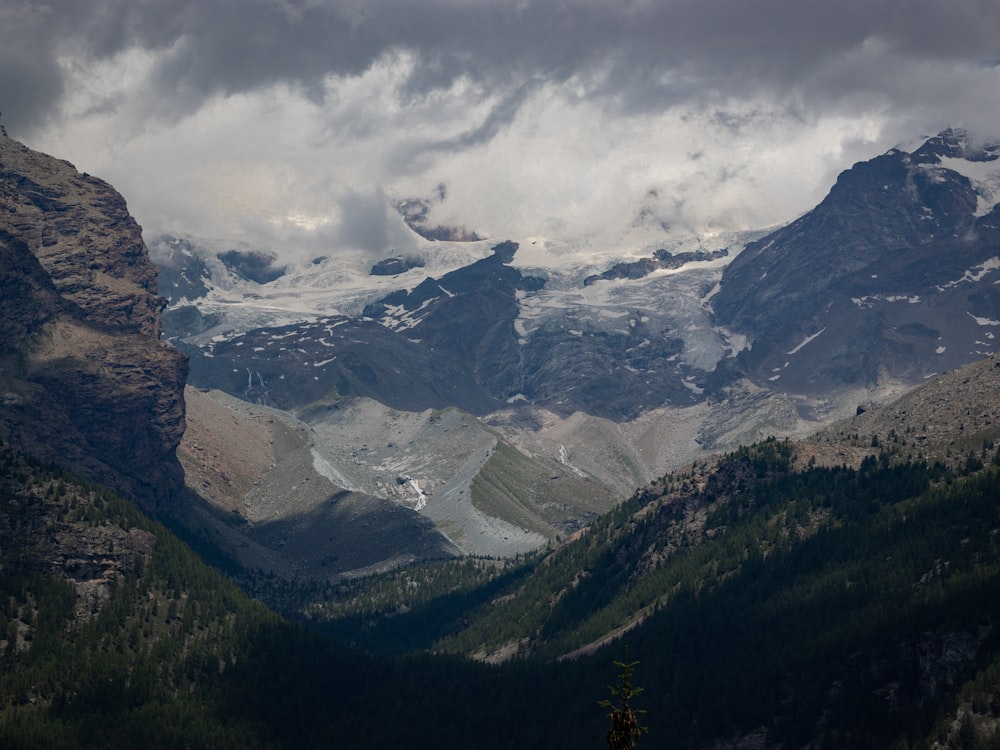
(768, 606)
(282, 507)
(890, 277)
(959, 423)
(613, 364)
(888, 281)
(839, 590)
(84, 377)
(114, 634)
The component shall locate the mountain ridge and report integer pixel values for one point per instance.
(836, 589)
(576, 362)
(835, 592)
(890, 267)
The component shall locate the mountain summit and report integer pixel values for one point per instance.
(603, 366)
(893, 274)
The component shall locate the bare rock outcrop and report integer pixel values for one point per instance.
(84, 379)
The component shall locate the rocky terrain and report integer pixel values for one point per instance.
(888, 281)
(609, 366)
(47, 529)
(839, 588)
(830, 590)
(476, 397)
(928, 422)
(891, 277)
(84, 378)
(281, 507)
(360, 487)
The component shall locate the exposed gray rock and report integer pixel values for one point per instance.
(252, 265)
(396, 266)
(661, 259)
(891, 276)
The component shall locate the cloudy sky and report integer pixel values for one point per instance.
(293, 124)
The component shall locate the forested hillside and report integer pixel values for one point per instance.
(114, 634)
(772, 597)
(854, 607)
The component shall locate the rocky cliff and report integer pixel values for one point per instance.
(892, 276)
(84, 379)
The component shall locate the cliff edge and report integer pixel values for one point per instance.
(85, 381)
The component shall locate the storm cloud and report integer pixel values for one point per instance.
(232, 117)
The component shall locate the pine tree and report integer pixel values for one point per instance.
(625, 728)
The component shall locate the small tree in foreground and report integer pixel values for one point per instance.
(625, 728)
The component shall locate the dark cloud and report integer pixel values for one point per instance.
(530, 106)
(28, 87)
(415, 156)
(645, 53)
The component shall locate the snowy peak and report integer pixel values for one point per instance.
(859, 289)
(955, 143)
(952, 152)
(889, 277)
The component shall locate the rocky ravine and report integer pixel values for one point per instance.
(84, 379)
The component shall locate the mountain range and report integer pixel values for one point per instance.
(594, 369)
(470, 539)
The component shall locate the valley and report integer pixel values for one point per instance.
(475, 481)
(438, 384)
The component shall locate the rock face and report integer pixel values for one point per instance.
(46, 528)
(454, 340)
(661, 259)
(894, 273)
(84, 379)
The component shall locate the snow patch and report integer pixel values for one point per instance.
(976, 273)
(563, 460)
(870, 300)
(738, 342)
(421, 498)
(689, 384)
(984, 321)
(984, 176)
(806, 341)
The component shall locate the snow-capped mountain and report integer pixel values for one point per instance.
(480, 325)
(604, 363)
(894, 275)
(559, 362)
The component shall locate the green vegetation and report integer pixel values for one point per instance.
(849, 604)
(171, 654)
(399, 612)
(843, 607)
(506, 476)
(625, 728)
(98, 655)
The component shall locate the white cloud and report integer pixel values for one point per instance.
(288, 125)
